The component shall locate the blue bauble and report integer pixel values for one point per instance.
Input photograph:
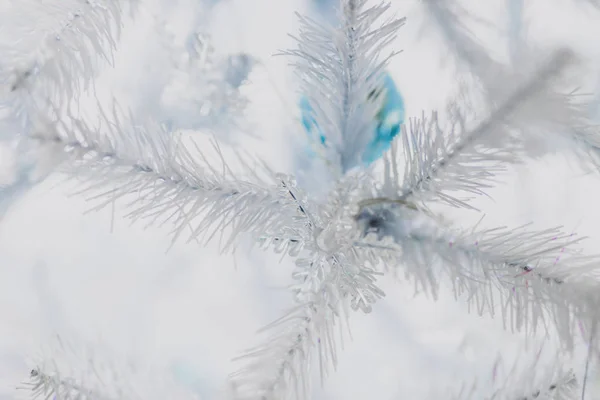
(389, 121)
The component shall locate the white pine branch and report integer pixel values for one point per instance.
(548, 118)
(561, 119)
(167, 178)
(281, 367)
(72, 371)
(586, 139)
(54, 60)
(525, 381)
(532, 279)
(564, 387)
(59, 43)
(331, 279)
(448, 17)
(46, 386)
(441, 162)
(338, 69)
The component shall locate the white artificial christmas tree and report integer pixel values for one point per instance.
(168, 148)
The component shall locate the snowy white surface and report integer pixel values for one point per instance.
(87, 279)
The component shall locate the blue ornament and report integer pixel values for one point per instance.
(308, 120)
(389, 121)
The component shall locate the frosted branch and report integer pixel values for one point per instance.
(281, 366)
(58, 46)
(330, 279)
(167, 178)
(586, 139)
(525, 381)
(441, 161)
(339, 68)
(49, 56)
(532, 279)
(46, 386)
(448, 16)
(70, 372)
